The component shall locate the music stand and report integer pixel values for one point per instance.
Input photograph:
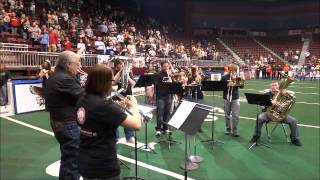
(143, 110)
(174, 88)
(259, 100)
(188, 118)
(144, 81)
(213, 86)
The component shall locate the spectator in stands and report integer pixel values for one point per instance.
(99, 45)
(81, 47)
(89, 31)
(25, 27)
(53, 39)
(14, 23)
(32, 8)
(269, 72)
(35, 32)
(44, 41)
(4, 78)
(286, 69)
(67, 45)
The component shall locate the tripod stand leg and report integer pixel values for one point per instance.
(136, 160)
(146, 145)
(257, 144)
(124, 164)
(212, 140)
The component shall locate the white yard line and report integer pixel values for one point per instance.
(298, 102)
(142, 164)
(243, 117)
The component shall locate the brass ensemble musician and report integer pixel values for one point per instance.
(99, 118)
(124, 79)
(163, 98)
(264, 117)
(231, 101)
(195, 79)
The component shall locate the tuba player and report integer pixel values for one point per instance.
(264, 118)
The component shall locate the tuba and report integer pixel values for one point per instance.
(125, 76)
(286, 101)
(83, 76)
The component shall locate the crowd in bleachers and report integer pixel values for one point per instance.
(60, 25)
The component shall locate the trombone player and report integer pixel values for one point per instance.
(231, 100)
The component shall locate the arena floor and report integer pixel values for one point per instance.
(29, 150)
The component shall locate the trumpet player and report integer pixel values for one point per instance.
(163, 98)
(61, 93)
(99, 118)
(231, 101)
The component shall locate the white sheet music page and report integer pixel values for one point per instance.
(146, 109)
(181, 114)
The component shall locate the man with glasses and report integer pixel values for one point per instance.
(61, 93)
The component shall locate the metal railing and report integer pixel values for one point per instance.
(13, 47)
(34, 59)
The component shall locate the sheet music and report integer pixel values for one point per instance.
(146, 108)
(181, 114)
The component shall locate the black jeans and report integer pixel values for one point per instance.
(67, 134)
(163, 113)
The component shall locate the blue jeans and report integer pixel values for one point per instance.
(68, 135)
(291, 121)
(127, 132)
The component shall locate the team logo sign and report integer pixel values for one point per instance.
(81, 115)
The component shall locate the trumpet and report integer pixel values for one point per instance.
(124, 108)
(83, 77)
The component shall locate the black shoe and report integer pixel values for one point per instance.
(236, 135)
(296, 142)
(254, 139)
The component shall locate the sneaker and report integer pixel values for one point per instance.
(131, 140)
(158, 133)
(167, 131)
(254, 139)
(296, 142)
(227, 132)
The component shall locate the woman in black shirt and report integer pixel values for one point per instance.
(98, 119)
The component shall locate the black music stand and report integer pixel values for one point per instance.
(259, 100)
(174, 88)
(188, 118)
(144, 81)
(213, 86)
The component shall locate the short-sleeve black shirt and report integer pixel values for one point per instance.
(98, 120)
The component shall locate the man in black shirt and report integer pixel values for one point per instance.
(99, 118)
(163, 98)
(61, 93)
(231, 101)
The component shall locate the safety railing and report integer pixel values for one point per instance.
(34, 58)
(13, 47)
